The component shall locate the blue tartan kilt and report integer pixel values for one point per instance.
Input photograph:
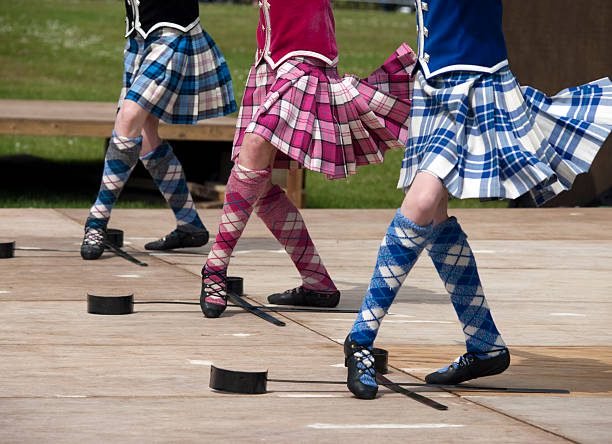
(178, 77)
(487, 137)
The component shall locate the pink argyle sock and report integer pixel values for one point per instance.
(286, 224)
(241, 192)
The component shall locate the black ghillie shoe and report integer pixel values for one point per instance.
(213, 297)
(93, 243)
(306, 298)
(361, 376)
(179, 239)
(469, 366)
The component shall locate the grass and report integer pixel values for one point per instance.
(73, 49)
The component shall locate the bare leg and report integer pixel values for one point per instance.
(150, 135)
(406, 237)
(426, 202)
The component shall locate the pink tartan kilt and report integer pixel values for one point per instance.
(324, 122)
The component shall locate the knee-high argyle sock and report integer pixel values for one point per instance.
(398, 253)
(241, 192)
(121, 157)
(167, 172)
(285, 222)
(453, 258)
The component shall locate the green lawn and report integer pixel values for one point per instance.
(72, 50)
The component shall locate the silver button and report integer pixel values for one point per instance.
(425, 32)
(425, 6)
(426, 57)
(269, 53)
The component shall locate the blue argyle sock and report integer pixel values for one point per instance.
(398, 252)
(453, 258)
(121, 157)
(168, 174)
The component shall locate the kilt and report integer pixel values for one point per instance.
(486, 137)
(178, 77)
(324, 122)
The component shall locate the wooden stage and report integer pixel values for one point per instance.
(67, 376)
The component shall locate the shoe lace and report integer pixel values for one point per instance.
(464, 360)
(173, 233)
(365, 361)
(94, 236)
(214, 284)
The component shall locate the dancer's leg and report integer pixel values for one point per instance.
(167, 172)
(404, 241)
(285, 222)
(248, 180)
(486, 351)
(121, 157)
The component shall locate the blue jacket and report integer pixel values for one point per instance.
(460, 35)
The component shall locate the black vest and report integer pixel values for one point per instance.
(144, 16)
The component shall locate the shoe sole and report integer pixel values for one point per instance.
(175, 247)
(318, 302)
(363, 395)
(211, 311)
(492, 372)
(91, 257)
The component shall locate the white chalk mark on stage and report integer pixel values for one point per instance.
(391, 321)
(400, 315)
(418, 369)
(309, 395)
(383, 426)
(484, 251)
(577, 315)
(127, 275)
(30, 248)
(199, 362)
(337, 365)
(71, 396)
(238, 335)
(4, 291)
(236, 253)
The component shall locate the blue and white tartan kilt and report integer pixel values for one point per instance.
(178, 77)
(486, 137)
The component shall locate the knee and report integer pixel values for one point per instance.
(255, 152)
(421, 207)
(426, 204)
(130, 119)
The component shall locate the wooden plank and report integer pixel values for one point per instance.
(94, 119)
(69, 374)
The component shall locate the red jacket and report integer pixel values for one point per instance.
(290, 28)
